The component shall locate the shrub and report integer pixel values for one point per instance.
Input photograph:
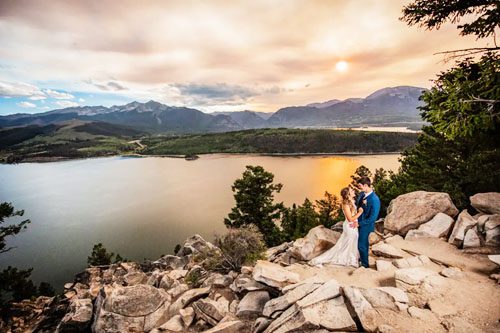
(238, 247)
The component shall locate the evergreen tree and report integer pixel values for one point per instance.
(100, 256)
(254, 196)
(15, 284)
(329, 210)
(360, 172)
(298, 220)
(459, 152)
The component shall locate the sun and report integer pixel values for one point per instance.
(341, 66)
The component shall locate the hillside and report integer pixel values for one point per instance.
(282, 141)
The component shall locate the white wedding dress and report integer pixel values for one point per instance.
(344, 253)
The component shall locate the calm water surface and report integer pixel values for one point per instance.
(142, 207)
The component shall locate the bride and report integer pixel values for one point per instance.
(345, 252)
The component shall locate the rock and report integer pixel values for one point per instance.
(328, 290)
(365, 312)
(331, 315)
(471, 239)
(412, 276)
(260, 324)
(495, 277)
(246, 283)
(383, 265)
(390, 238)
(492, 230)
(235, 326)
(171, 262)
(487, 203)
(273, 252)
(495, 258)
(397, 294)
(318, 240)
(108, 322)
(374, 238)
(411, 261)
(438, 226)
(157, 318)
(135, 301)
(177, 288)
(187, 316)
(387, 251)
(195, 244)
(464, 223)
(251, 306)
(78, 318)
(379, 299)
(135, 277)
(186, 298)
(211, 311)
(284, 302)
(217, 280)
(273, 275)
(409, 211)
(175, 324)
(452, 273)
(422, 314)
(169, 278)
(246, 270)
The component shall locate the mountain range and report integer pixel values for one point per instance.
(394, 106)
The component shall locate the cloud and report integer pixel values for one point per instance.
(66, 104)
(58, 95)
(107, 86)
(81, 100)
(20, 89)
(218, 91)
(26, 105)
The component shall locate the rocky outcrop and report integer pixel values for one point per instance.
(487, 203)
(438, 226)
(409, 211)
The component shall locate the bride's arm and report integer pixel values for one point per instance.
(347, 213)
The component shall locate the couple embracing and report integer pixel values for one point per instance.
(361, 214)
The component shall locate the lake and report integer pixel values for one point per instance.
(142, 207)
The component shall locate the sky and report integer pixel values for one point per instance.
(211, 55)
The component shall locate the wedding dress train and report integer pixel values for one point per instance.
(345, 252)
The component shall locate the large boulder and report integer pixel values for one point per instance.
(409, 211)
(252, 304)
(273, 274)
(195, 244)
(318, 240)
(487, 203)
(138, 307)
(438, 226)
(464, 222)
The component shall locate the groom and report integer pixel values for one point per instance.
(370, 203)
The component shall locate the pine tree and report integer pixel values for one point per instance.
(254, 196)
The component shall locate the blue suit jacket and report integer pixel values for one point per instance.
(371, 210)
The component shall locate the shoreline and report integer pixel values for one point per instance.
(65, 159)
